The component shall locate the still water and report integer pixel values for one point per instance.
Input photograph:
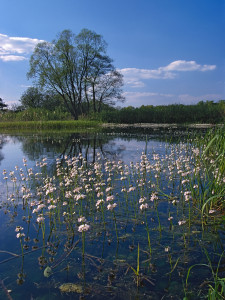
(132, 192)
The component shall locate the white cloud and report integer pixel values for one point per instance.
(134, 77)
(16, 48)
(134, 74)
(135, 83)
(182, 65)
(12, 58)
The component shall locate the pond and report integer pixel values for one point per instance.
(108, 215)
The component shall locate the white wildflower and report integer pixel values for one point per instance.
(111, 206)
(81, 219)
(143, 206)
(181, 222)
(83, 227)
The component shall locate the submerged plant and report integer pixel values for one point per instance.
(137, 270)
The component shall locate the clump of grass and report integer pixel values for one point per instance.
(216, 288)
(212, 156)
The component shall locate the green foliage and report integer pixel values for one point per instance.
(52, 109)
(35, 98)
(213, 155)
(203, 112)
(32, 98)
(2, 104)
(32, 114)
(216, 288)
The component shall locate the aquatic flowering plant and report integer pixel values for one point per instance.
(160, 199)
(83, 227)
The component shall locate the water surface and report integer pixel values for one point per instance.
(106, 268)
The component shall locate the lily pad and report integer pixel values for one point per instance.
(47, 272)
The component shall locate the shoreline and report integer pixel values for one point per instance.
(156, 125)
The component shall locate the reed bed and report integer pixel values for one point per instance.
(49, 125)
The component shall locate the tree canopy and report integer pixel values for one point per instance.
(77, 68)
(35, 98)
(32, 98)
(2, 104)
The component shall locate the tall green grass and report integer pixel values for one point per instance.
(212, 147)
(34, 114)
(45, 125)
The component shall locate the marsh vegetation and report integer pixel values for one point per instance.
(114, 215)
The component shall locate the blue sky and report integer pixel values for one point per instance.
(169, 51)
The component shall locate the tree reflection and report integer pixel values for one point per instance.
(3, 140)
(70, 145)
(89, 145)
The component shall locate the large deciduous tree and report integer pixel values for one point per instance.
(77, 68)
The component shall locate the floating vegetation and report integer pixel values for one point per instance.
(71, 288)
(138, 227)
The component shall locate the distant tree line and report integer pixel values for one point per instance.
(202, 112)
(36, 105)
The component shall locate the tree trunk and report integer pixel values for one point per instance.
(99, 104)
(71, 109)
(93, 94)
(87, 99)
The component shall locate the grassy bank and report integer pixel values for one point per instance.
(44, 125)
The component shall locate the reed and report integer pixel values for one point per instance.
(41, 125)
(212, 149)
